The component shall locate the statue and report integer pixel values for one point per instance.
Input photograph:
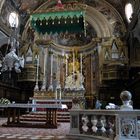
(126, 99)
(11, 60)
(74, 81)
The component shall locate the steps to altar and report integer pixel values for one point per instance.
(39, 116)
(45, 97)
(39, 113)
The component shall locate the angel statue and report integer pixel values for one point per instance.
(11, 60)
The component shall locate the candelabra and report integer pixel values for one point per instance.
(36, 88)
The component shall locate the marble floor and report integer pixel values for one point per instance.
(16, 133)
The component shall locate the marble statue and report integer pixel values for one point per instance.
(11, 60)
(126, 99)
(74, 81)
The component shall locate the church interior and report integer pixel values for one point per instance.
(61, 51)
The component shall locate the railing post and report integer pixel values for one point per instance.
(127, 126)
(74, 122)
(104, 124)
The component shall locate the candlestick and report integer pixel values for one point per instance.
(81, 62)
(73, 62)
(66, 65)
(60, 95)
(43, 88)
(81, 75)
(51, 86)
(56, 94)
(37, 69)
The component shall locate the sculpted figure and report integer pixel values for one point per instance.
(11, 60)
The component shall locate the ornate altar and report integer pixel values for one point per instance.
(72, 61)
(62, 75)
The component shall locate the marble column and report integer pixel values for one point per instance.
(81, 71)
(51, 84)
(43, 88)
(36, 88)
(66, 56)
(58, 73)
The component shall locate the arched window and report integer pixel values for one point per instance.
(13, 19)
(128, 11)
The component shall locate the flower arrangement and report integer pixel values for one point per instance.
(4, 101)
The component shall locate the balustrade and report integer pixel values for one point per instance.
(105, 124)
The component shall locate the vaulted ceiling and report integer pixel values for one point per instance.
(30, 5)
(26, 7)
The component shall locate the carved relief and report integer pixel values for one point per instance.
(128, 127)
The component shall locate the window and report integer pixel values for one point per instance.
(13, 19)
(128, 11)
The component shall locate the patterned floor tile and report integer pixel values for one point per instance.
(1, 136)
(11, 137)
(46, 138)
(60, 137)
(16, 133)
(6, 134)
(34, 138)
(22, 138)
(26, 135)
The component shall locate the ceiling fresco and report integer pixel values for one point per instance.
(112, 10)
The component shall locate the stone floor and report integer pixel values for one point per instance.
(16, 133)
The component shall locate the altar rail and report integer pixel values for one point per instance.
(30, 105)
(14, 110)
(104, 124)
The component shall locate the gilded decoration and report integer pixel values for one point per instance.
(94, 38)
(114, 60)
(115, 50)
(32, 47)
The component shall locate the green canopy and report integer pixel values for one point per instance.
(60, 21)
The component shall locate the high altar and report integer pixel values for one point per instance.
(58, 58)
(65, 57)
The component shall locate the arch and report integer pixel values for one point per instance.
(98, 22)
(97, 16)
